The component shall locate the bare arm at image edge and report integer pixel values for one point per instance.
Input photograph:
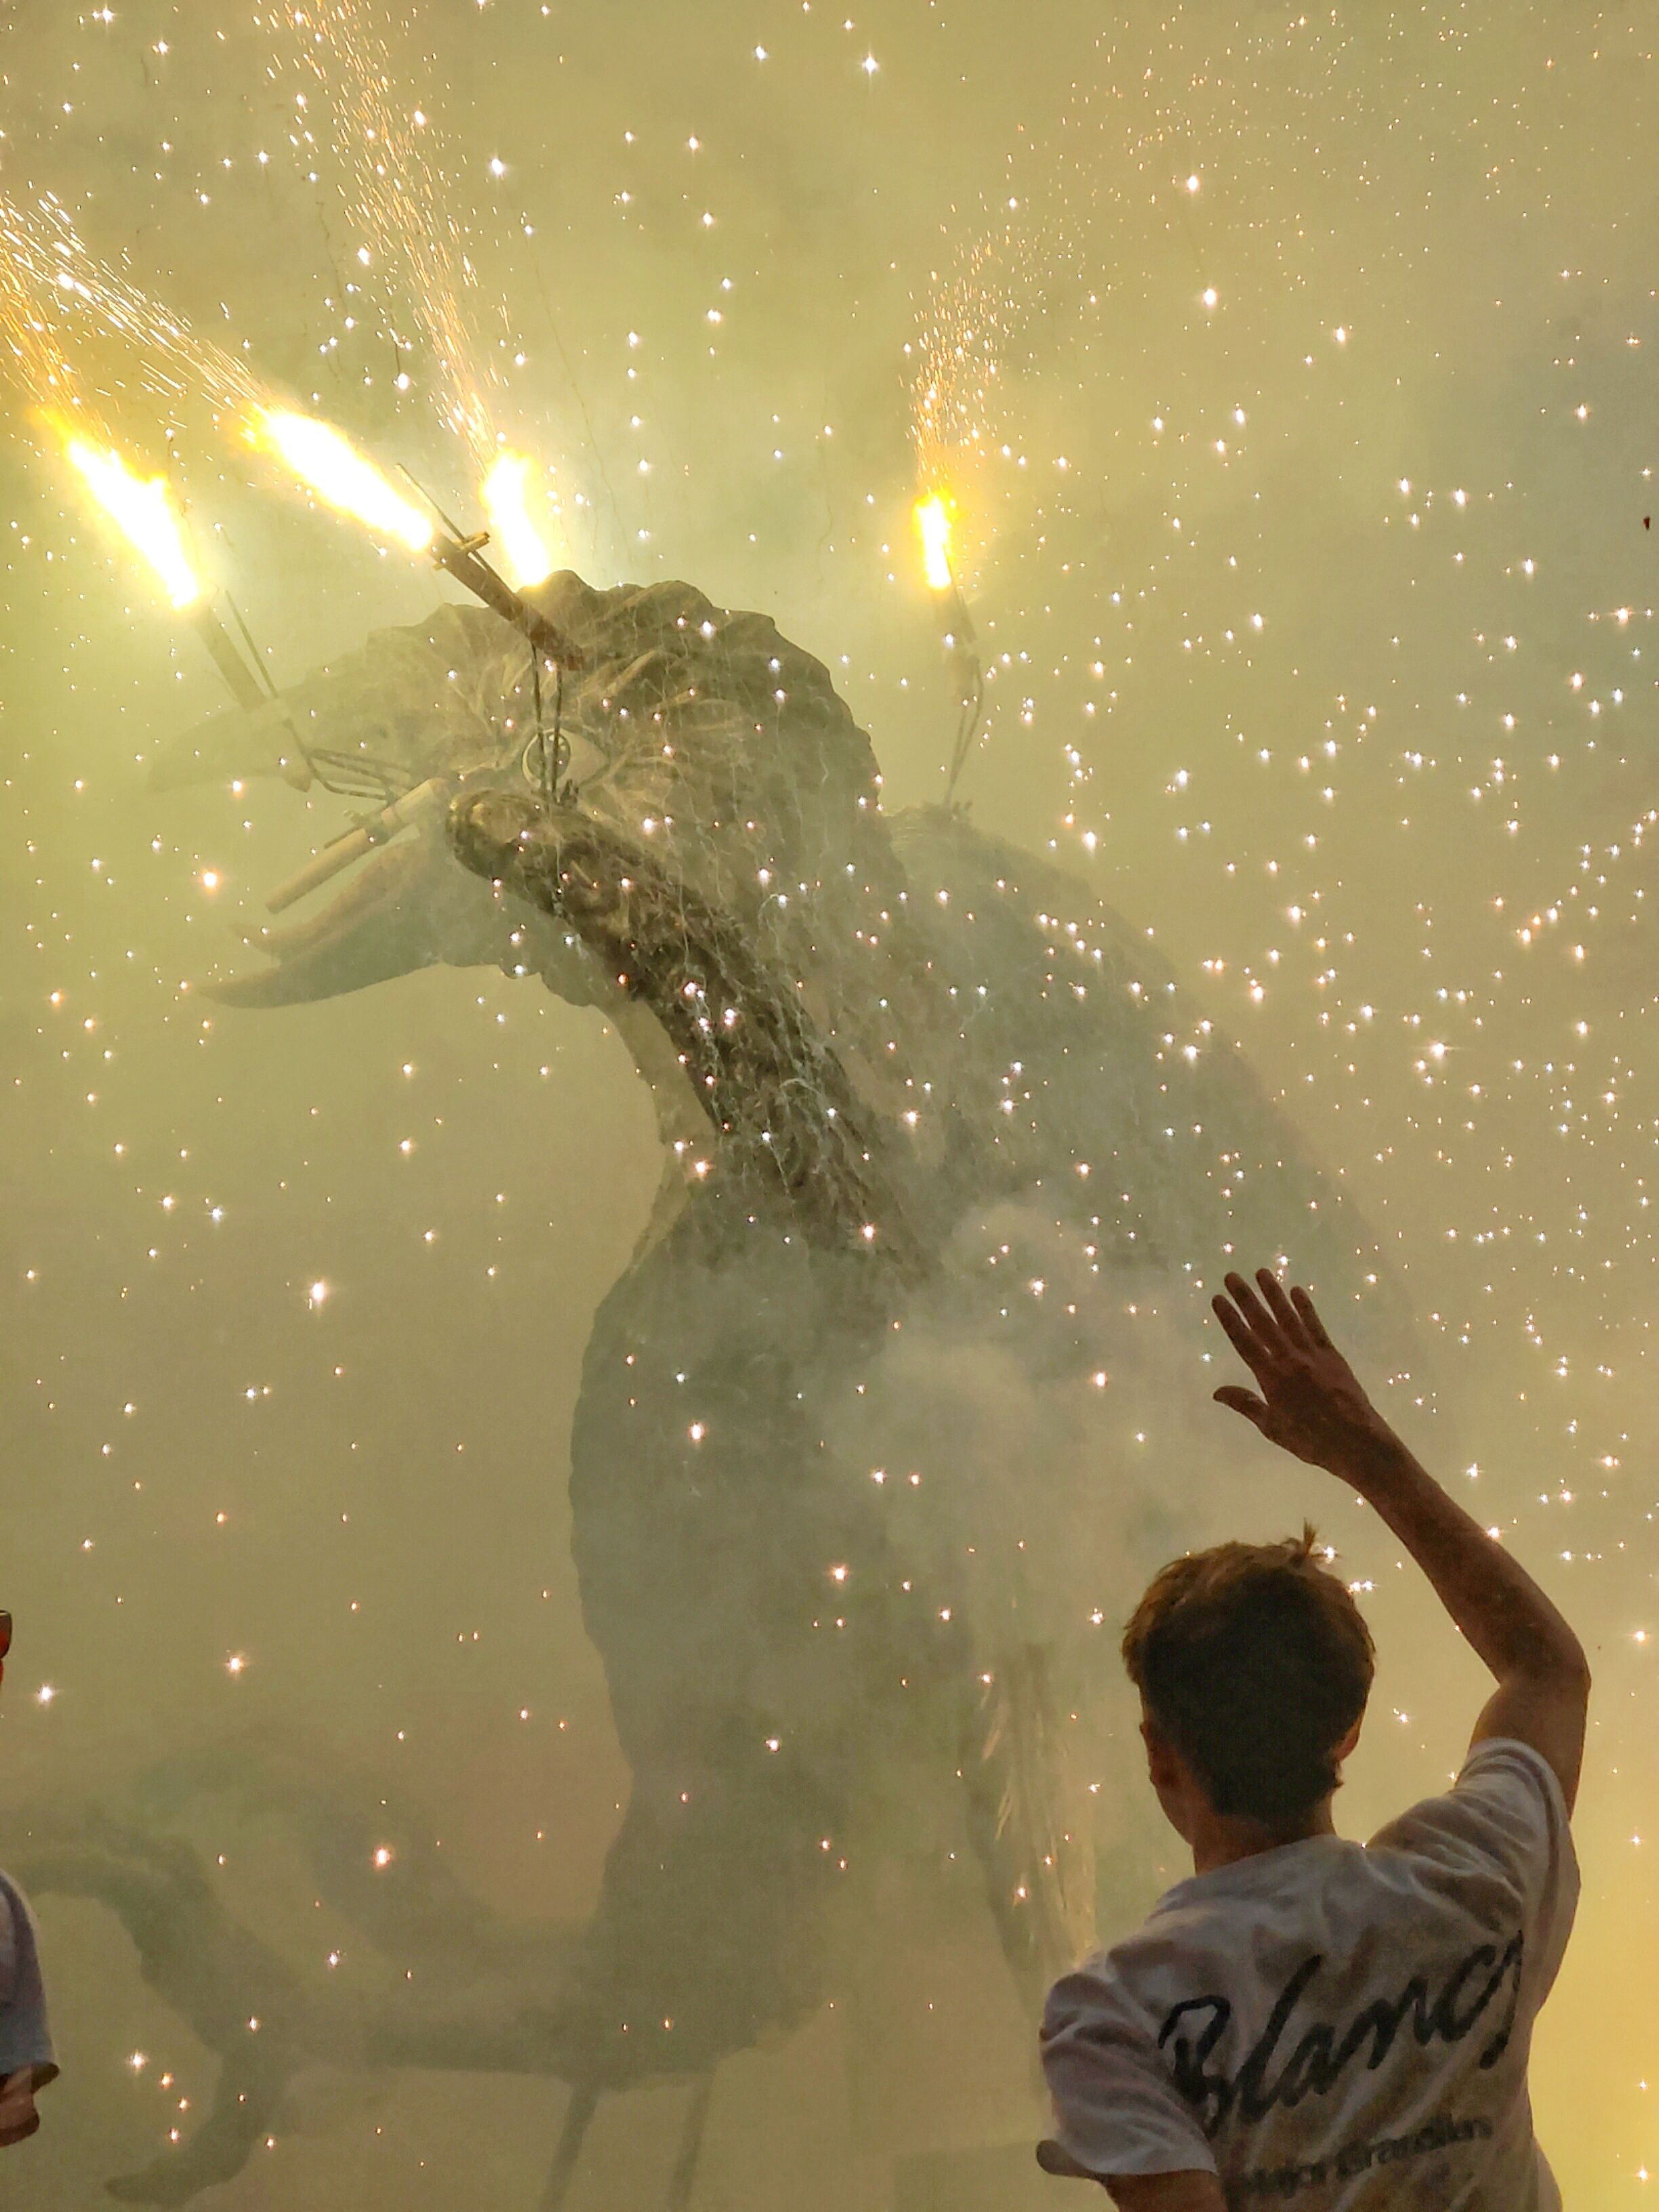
(19, 2119)
(1310, 1404)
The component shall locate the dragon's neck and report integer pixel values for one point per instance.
(715, 1029)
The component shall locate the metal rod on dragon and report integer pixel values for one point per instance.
(377, 830)
(459, 558)
(244, 686)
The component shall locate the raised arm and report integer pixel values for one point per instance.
(1311, 1404)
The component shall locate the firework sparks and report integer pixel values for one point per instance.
(45, 272)
(49, 282)
(973, 321)
(142, 511)
(28, 345)
(969, 321)
(395, 188)
(326, 461)
(399, 195)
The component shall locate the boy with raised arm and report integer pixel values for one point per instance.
(1336, 2026)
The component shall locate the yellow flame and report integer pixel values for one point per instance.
(933, 526)
(321, 457)
(141, 510)
(524, 553)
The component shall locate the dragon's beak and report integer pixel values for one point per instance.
(409, 906)
(390, 898)
(406, 907)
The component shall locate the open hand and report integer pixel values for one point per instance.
(1311, 1402)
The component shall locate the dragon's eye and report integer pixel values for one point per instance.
(581, 759)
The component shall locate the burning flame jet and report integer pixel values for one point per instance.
(401, 197)
(141, 507)
(933, 528)
(506, 503)
(142, 511)
(935, 522)
(320, 456)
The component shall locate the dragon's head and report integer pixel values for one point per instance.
(700, 734)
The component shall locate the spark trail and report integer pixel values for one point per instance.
(1017, 290)
(49, 282)
(394, 190)
(28, 344)
(398, 195)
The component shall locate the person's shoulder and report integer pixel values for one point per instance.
(1096, 1982)
(25, 2033)
(1505, 1812)
(1503, 1782)
(1503, 1765)
(1130, 1976)
(1112, 1979)
(15, 1906)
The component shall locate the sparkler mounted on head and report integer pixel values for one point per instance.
(143, 510)
(462, 557)
(43, 263)
(325, 460)
(935, 525)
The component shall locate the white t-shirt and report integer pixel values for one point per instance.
(1336, 2026)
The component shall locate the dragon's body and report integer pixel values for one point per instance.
(932, 1118)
